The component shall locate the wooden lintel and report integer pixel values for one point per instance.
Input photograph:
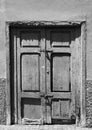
(44, 23)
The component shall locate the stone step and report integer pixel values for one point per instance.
(40, 127)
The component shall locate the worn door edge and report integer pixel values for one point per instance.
(83, 74)
(83, 60)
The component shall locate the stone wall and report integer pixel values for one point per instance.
(89, 102)
(2, 101)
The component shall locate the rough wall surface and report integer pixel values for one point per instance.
(89, 102)
(2, 101)
(48, 10)
(54, 10)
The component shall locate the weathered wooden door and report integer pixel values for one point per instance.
(60, 75)
(45, 75)
(31, 76)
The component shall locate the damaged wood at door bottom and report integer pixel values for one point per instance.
(27, 121)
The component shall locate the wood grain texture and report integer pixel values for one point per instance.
(8, 110)
(83, 73)
(18, 76)
(30, 72)
(30, 78)
(60, 72)
(31, 108)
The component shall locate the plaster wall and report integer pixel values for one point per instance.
(18, 10)
(47, 10)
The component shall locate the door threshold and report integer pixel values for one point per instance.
(41, 127)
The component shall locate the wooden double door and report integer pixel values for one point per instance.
(44, 75)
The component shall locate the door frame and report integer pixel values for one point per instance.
(82, 25)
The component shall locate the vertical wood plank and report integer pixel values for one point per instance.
(42, 62)
(83, 73)
(48, 73)
(65, 109)
(13, 75)
(56, 109)
(15, 78)
(73, 72)
(78, 74)
(8, 110)
(18, 77)
(48, 61)
(43, 75)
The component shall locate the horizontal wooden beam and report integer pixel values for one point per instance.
(30, 95)
(44, 23)
(60, 95)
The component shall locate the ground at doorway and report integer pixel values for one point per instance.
(44, 127)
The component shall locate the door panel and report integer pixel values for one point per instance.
(59, 62)
(30, 38)
(31, 105)
(60, 72)
(55, 109)
(60, 39)
(30, 72)
(60, 109)
(31, 111)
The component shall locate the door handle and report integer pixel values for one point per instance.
(46, 95)
(48, 99)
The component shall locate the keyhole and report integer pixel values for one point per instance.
(47, 72)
